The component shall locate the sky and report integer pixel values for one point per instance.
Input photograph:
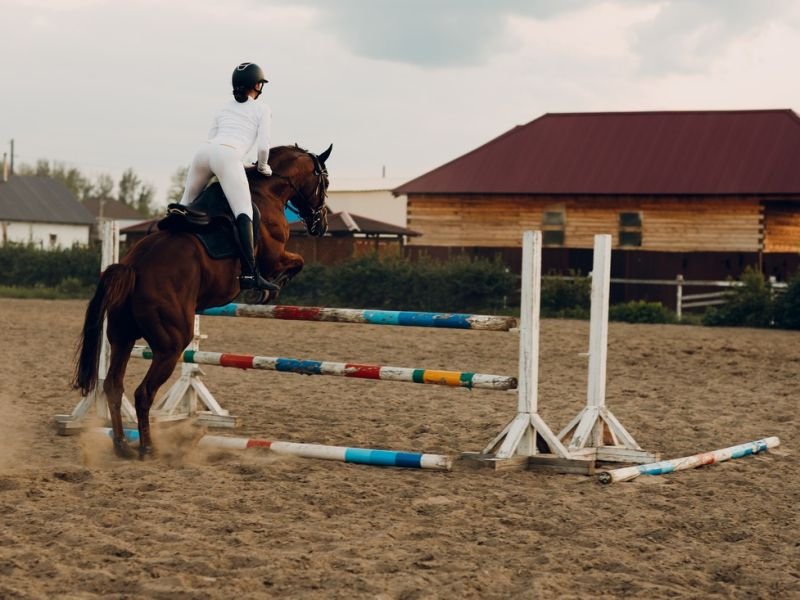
(405, 85)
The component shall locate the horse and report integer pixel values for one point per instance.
(156, 289)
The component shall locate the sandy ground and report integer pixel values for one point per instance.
(75, 522)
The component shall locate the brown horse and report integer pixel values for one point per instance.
(155, 291)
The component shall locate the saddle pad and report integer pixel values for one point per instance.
(218, 237)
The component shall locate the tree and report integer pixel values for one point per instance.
(103, 186)
(176, 184)
(144, 200)
(129, 187)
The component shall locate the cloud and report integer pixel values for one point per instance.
(685, 36)
(441, 33)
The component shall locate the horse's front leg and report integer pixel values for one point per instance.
(281, 269)
(289, 265)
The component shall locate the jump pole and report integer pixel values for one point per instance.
(362, 456)
(689, 462)
(95, 403)
(365, 317)
(595, 433)
(359, 371)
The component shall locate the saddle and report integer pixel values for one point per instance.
(210, 219)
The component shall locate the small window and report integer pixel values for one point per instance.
(553, 217)
(53, 240)
(553, 227)
(553, 238)
(630, 219)
(630, 229)
(630, 238)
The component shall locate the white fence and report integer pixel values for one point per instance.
(701, 300)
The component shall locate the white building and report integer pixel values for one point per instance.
(43, 212)
(369, 197)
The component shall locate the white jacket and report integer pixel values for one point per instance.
(242, 124)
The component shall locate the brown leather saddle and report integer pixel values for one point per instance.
(210, 219)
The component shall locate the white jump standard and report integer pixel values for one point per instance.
(595, 433)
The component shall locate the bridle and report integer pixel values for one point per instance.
(316, 214)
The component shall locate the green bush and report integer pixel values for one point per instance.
(640, 311)
(787, 305)
(749, 305)
(26, 266)
(566, 298)
(460, 285)
(307, 288)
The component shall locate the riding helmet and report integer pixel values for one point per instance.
(247, 75)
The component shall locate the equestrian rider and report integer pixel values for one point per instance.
(241, 123)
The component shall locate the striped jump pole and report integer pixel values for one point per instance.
(361, 456)
(360, 371)
(689, 462)
(370, 317)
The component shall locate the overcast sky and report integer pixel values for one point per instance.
(410, 84)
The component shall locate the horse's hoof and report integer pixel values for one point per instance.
(122, 449)
(146, 452)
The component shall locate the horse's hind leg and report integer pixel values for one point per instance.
(113, 387)
(160, 369)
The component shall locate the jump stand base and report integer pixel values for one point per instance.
(616, 454)
(549, 462)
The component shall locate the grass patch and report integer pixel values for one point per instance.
(44, 293)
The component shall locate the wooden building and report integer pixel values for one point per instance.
(697, 193)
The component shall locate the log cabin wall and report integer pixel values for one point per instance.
(699, 224)
(782, 226)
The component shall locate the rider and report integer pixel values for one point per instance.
(241, 123)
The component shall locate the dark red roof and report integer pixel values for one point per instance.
(345, 223)
(672, 152)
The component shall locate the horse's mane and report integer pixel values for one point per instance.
(276, 153)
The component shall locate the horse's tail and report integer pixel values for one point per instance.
(115, 286)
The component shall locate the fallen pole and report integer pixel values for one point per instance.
(360, 371)
(361, 456)
(689, 462)
(370, 317)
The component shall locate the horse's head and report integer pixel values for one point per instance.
(306, 174)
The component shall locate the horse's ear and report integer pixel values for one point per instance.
(324, 156)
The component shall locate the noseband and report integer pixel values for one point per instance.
(318, 213)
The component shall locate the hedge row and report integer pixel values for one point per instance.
(26, 266)
(460, 285)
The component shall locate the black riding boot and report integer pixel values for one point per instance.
(250, 278)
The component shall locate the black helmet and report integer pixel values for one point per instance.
(247, 75)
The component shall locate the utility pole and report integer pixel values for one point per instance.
(12, 157)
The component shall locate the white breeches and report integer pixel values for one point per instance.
(226, 163)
